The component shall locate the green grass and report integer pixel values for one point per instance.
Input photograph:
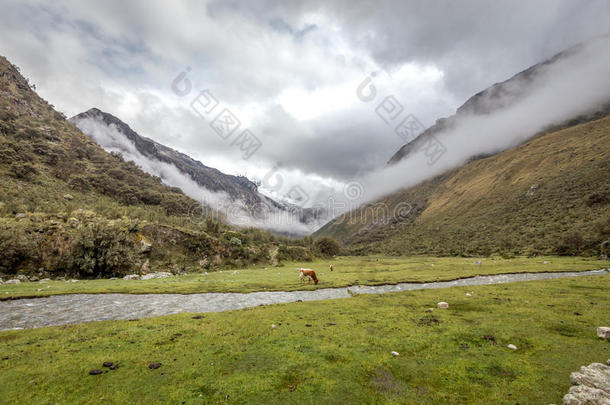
(370, 270)
(343, 356)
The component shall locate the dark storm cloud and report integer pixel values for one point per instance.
(289, 70)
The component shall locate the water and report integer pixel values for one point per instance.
(79, 308)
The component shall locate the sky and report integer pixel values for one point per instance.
(288, 72)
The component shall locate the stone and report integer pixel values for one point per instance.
(545, 262)
(591, 385)
(478, 263)
(20, 215)
(161, 274)
(603, 332)
(13, 281)
(95, 372)
(1, 282)
(512, 347)
(274, 326)
(114, 367)
(468, 295)
(44, 280)
(68, 197)
(235, 272)
(442, 305)
(107, 364)
(154, 366)
(131, 277)
(395, 354)
(73, 222)
(33, 278)
(21, 277)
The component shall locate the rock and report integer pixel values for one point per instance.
(591, 385)
(68, 197)
(512, 347)
(131, 277)
(144, 244)
(478, 263)
(73, 222)
(20, 215)
(44, 280)
(274, 326)
(308, 325)
(442, 305)
(154, 366)
(235, 272)
(95, 372)
(13, 281)
(429, 309)
(583, 395)
(468, 295)
(114, 367)
(33, 278)
(161, 274)
(21, 277)
(603, 332)
(395, 354)
(545, 262)
(74, 281)
(107, 364)
(1, 282)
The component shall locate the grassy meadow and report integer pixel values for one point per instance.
(364, 270)
(336, 351)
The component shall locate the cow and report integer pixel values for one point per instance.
(308, 274)
(332, 267)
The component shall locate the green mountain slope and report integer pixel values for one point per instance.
(69, 207)
(549, 195)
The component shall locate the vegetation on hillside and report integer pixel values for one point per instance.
(67, 207)
(549, 195)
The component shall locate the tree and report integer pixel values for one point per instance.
(327, 246)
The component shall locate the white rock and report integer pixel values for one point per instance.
(1, 282)
(478, 263)
(512, 347)
(161, 274)
(603, 332)
(13, 281)
(545, 262)
(468, 295)
(44, 280)
(235, 272)
(131, 277)
(442, 305)
(395, 354)
(74, 281)
(274, 326)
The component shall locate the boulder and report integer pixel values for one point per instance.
(68, 197)
(161, 274)
(603, 332)
(512, 347)
(13, 281)
(22, 278)
(131, 277)
(442, 305)
(591, 385)
(20, 215)
(44, 280)
(395, 354)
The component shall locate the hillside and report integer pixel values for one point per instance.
(196, 179)
(69, 207)
(507, 94)
(549, 195)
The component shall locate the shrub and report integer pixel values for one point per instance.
(294, 254)
(572, 244)
(16, 247)
(101, 250)
(327, 246)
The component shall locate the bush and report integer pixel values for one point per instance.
(101, 250)
(572, 244)
(327, 246)
(16, 247)
(294, 254)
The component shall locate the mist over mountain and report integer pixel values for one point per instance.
(235, 196)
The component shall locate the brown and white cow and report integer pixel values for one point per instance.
(308, 274)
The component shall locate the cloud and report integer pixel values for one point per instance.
(288, 70)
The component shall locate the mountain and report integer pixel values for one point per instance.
(237, 187)
(504, 95)
(179, 170)
(549, 195)
(68, 207)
